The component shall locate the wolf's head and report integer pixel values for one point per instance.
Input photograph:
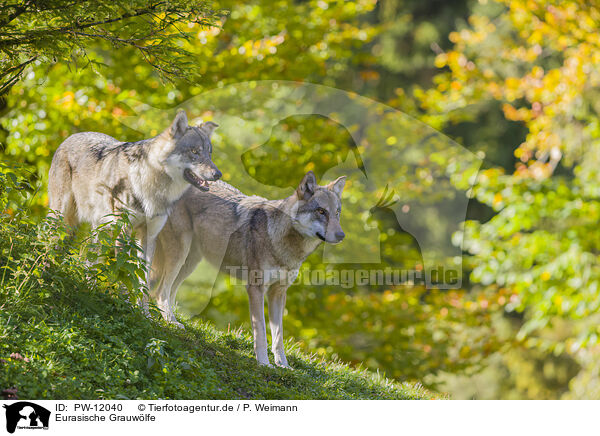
(317, 211)
(187, 152)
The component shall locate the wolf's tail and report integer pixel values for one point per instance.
(61, 200)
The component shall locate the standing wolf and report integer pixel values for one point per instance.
(266, 240)
(93, 175)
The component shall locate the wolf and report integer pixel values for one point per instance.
(94, 177)
(261, 241)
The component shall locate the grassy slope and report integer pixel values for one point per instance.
(89, 345)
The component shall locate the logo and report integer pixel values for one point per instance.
(408, 188)
(26, 415)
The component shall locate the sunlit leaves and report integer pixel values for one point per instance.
(63, 30)
(537, 58)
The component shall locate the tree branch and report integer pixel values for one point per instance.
(5, 87)
(79, 26)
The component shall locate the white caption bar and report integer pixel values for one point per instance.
(156, 417)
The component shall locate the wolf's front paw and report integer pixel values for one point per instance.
(280, 359)
(177, 324)
(171, 319)
(286, 366)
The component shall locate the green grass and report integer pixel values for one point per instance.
(88, 345)
(63, 336)
(70, 331)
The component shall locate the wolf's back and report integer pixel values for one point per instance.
(78, 153)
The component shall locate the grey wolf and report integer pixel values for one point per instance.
(94, 176)
(270, 239)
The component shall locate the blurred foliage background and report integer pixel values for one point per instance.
(513, 81)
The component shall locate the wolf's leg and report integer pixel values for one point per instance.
(276, 296)
(193, 258)
(153, 227)
(169, 260)
(61, 199)
(256, 295)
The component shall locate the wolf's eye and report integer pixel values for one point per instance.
(196, 151)
(321, 211)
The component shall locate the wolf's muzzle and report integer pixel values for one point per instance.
(194, 180)
(340, 236)
(216, 175)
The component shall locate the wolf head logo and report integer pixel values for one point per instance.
(26, 414)
(430, 174)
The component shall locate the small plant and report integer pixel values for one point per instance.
(113, 256)
(48, 254)
(157, 354)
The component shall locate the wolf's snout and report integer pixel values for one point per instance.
(193, 179)
(340, 236)
(217, 175)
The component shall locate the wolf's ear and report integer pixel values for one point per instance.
(208, 127)
(179, 125)
(337, 185)
(307, 186)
